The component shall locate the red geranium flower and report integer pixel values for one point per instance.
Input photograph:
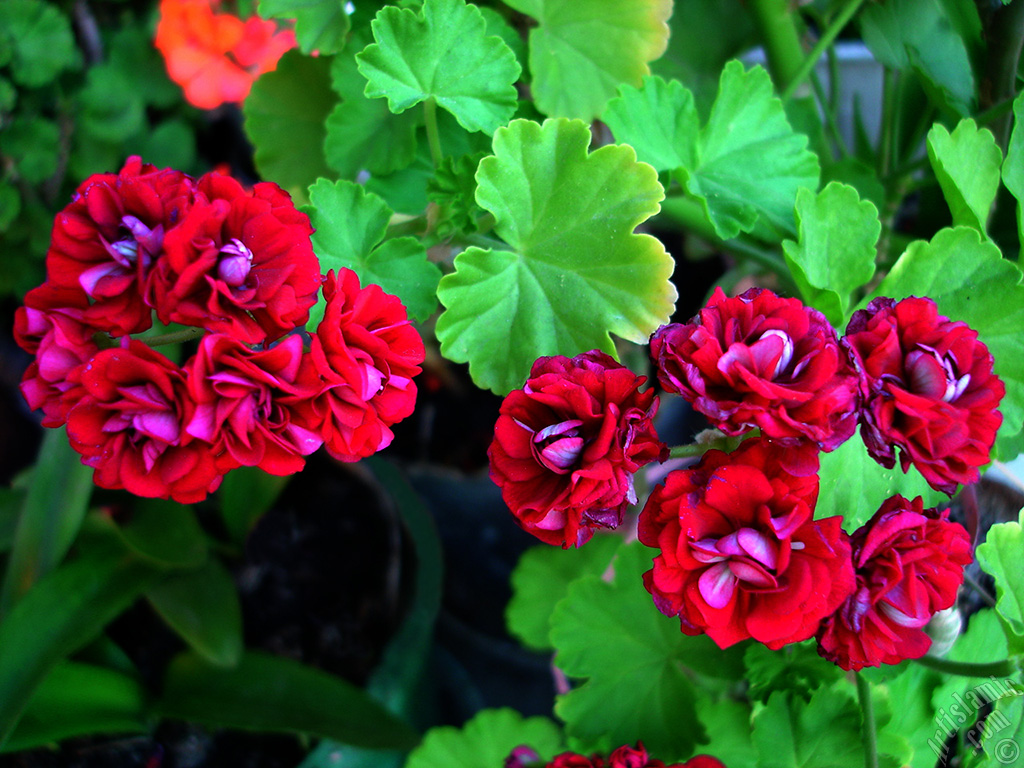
(741, 555)
(239, 263)
(758, 360)
(625, 757)
(216, 57)
(243, 403)
(928, 389)
(51, 327)
(129, 426)
(107, 240)
(909, 564)
(567, 444)
(367, 353)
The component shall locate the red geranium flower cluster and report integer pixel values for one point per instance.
(911, 377)
(567, 444)
(238, 267)
(623, 757)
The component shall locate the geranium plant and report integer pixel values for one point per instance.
(518, 192)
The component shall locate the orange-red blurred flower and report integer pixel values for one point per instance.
(216, 57)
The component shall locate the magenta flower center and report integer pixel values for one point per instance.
(935, 375)
(558, 447)
(137, 246)
(234, 263)
(745, 555)
(148, 419)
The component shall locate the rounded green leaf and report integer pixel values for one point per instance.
(966, 163)
(442, 53)
(40, 41)
(320, 25)
(574, 272)
(582, 50)
(659, 120)
(486, 740)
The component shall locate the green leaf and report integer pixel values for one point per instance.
(581, 51)
(271, 693)
(918, 34)
(163, 532)
(659, 120)
(854, 485)
(110, 108)
(914, 715)
(750, 162)
(574, 271)
(966, 163)
(284, 119)
(202, 607)
(320, 25)
(1000, 556)
(643, 676)
(172, 144)
(79, 700)
(541, 580)
(796, 668)
(62, 612)
(453, 192)
(350, 227)
(727, 724)
(821, 733)
(486, 740)
(1002, 734)
(245, 495)
(133, 54)
(50, 517)
(1013, 167)
(33, 143)
(442, 53)
(835, 254)
(363, 134)
(41, 42)
(987, 295)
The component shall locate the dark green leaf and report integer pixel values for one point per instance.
(271, 693)
(442, 53)
(41, 42)
(796, 668)
(33, 143)
(133, 54)
(541, 580)
(79, 700)
(62, 612)
(284, 118)
(350, 226)
(821, 733)
(643, 676)
(172, 144)
(453, 192)
(109, 108)
(163, 532)
(363, 134)
(486, 740)
(51, 515)
(320, 25)
(245, 495)
(202, 606)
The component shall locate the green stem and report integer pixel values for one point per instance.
(837, 26)
(175, 337)
(1005, 37)
(869, 737)
(777, 25)
(1003, 668)
(693, 450)
(433, 137)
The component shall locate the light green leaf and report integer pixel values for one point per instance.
(350, 224)
(1003, 732)
(987, 294)
(750, 162)
(541, 580)
(918, 34)
(854, 485)
(581, 51)
(1013, 167)
(574, 271)
(202, 607)
(486, 740)
(913, 717)
(1000, 556)
(40, 39)
(821, 733)
(284, 119)
(659, 120)
(835, 254)
(643, 676)
(273, 693)
(441, 53)
(320, 25)
(966, 164)
(79, 700)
